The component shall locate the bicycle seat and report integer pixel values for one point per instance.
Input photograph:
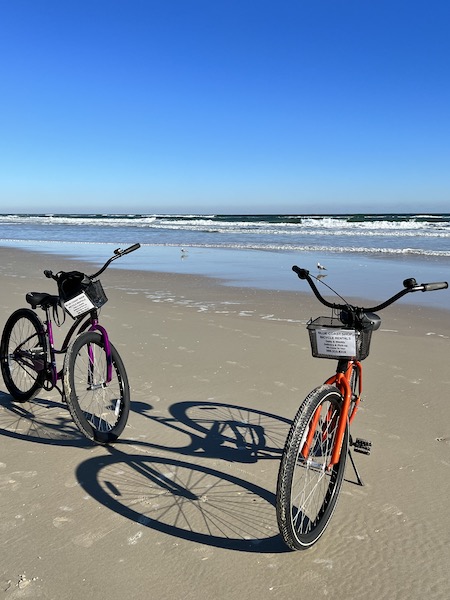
(42, 299)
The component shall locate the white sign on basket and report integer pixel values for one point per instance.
(336, 342)
(78, 305)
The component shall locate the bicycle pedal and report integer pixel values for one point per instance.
(362, 446)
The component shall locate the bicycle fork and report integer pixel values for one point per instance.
(350, 394)
(107, 346)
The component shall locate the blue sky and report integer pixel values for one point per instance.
(224, 106)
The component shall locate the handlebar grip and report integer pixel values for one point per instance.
(438, 285)
(48, 274)
(127, 250)
(302, 273)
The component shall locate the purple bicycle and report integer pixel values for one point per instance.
(94, 381)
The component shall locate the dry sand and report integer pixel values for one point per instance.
(182, 508)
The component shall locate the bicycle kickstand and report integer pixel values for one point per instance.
(363, 447)
(359, 481)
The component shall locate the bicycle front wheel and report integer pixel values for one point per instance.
(307, 489)
(23, 351)
(99, 408)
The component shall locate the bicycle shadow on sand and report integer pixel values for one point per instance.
(223, 431)
(193, 500)
(39, 420)
(189, 501)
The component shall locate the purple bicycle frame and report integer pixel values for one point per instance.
(95, 326)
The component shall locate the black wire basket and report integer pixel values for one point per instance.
(96, 294)
(89, 297)
(331, 339)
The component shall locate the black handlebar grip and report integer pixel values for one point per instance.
(302, 273)
(438, 285)
(48, 274)
(130, 249)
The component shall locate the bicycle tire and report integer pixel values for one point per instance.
(306, 492)
(23, 352)
(99, 409)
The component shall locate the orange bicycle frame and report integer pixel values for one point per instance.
(341, 380)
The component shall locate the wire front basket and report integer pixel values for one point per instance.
(90, 297)
(331, 339)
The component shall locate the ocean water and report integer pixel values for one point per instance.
(365, 255)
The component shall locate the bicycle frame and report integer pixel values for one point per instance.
(84, 323)
(342, 380)
(312, 468)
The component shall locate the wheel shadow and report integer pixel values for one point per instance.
(181, 498)
(185, 500)
(220, 430)
(39, 420)
(193, 500)
(215, 430)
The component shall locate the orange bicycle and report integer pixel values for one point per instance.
(316, 449)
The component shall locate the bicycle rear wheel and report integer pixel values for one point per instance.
(23, 351)
(99, 408)
(307, 491)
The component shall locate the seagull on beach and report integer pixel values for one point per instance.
(321, 267)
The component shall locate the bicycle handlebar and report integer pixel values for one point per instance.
(431, 287)
(132, 248)
(117, 254)
(410, 285)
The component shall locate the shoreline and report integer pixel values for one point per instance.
(267, 270)
(216, 375)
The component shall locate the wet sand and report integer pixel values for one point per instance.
(183, 506)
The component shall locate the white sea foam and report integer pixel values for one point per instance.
(418, 235)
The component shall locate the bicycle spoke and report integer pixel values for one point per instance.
(23, 355)
(307, 484)
(98, 406)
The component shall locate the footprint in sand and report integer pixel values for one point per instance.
(135, 538)
(445, 440)
(59, 522)
(11, 481)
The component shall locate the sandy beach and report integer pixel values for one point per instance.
(216, 375)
